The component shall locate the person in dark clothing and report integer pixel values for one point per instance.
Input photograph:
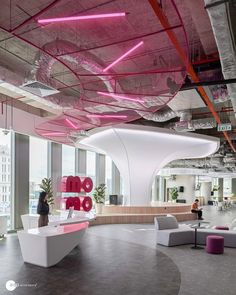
(196, 209)
(43, 209)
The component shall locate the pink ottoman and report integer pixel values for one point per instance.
(215, 244)
(222, 227)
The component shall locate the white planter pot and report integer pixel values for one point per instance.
(98, 208)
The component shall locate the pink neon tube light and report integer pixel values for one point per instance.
(81, 17)
(54, 134)
(123, 56)
(119, 96)
(107, 116)
(71, 124)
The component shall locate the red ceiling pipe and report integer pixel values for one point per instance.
(165, 23)
(226, 110)
(35, 15)
(205, 61)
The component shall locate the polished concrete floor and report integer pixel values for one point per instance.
(124, 259)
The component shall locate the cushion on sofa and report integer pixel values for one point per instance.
(166, 222)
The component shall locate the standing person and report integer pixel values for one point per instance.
(43, 209)
(195, 209)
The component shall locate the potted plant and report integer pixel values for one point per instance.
(46, 186)
(99, 197)
(174, 193)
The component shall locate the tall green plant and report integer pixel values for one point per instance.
(174, 193)
(46, 186)
(99, 193)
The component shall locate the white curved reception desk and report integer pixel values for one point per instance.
(46, 246)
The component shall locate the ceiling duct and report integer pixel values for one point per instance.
(206, 123)
(74, 136)
(222, 17)
(192, 125)
(185, 123)
(183, 126)
(198, 163)
(162, 116)
(42, 70)
(90, 63)
(39, 88)
(167, 115)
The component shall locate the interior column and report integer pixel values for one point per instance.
(55, 170)
(21, 178)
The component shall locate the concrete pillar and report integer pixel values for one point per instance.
(234, 186)
(155, 189)
(205, 191)
(221, 187)
(100, 168)
(115, 180)
(21, 178)
(162, 189)
(55, 170)
(80, 162)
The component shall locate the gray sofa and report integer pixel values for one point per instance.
(170, 233)
(229, 236)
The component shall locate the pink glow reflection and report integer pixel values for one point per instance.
(75, 227)
(54, 134)
(123, 56)
(119, 96)
(71, 124)
(107, 116)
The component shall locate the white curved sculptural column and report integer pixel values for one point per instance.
(139, 152)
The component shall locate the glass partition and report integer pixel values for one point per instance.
(68, 160)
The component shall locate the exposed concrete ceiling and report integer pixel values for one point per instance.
(23, 46)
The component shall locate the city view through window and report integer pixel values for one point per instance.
(5, 176)
(38, 170)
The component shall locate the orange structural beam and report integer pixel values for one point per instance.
(173, 38)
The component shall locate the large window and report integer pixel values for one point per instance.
(91, 166)
(108, 176)
(227, 191)
(5, 176)
(68, 160)
(38, 170)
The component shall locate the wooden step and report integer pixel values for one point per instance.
(137, 218)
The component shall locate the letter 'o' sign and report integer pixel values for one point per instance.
(79, 203)
(76, 184)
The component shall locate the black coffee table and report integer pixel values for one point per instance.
(196, 227)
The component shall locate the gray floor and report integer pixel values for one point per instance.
(124, 259)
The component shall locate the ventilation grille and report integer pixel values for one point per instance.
(39, 88)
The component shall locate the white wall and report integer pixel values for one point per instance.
(188, 182)
(22, 122)
(205, 191)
